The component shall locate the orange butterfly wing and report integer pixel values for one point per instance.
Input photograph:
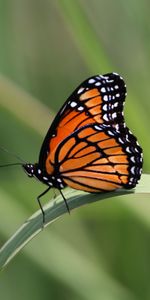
(98, 158)
(98, 99)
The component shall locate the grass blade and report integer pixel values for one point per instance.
(54, 210)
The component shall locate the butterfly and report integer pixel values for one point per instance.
(88, 145)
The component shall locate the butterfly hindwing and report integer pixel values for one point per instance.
(98, 158)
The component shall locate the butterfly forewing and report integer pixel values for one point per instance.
(98, 99)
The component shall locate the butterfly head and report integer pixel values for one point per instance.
(33, 170)
(29, 169)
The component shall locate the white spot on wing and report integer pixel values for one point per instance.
(92, 80)
(80, 108)
(110, 132)
(132, 159)
(117, 127)
(116, 104)
(111, 80)
(105, 107)
(59, 180)
(132, 179)
(97, 128)
(80, 90)
(103, 90)
(98, 83)
(103, 77)
(73, 104)
(121, 141)
(105, 98)
(133, 170)
(118, 95)
(105, 117)
(114, 115)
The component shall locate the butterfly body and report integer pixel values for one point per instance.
(88, 146)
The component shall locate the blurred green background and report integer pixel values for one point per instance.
(101, 251)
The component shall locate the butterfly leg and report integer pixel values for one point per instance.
(67, 206)
(40, 205)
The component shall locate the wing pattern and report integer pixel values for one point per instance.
(98, 99)
(98, 158)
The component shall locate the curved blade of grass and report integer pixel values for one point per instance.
(55, 209)
(57, 257)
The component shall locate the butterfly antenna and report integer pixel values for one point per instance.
(13, 154)
(67, 206)
(9, 165)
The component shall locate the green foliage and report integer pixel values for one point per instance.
(100, 251)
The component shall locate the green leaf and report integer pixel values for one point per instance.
(54, 210)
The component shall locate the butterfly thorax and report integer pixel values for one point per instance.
(34, 170)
